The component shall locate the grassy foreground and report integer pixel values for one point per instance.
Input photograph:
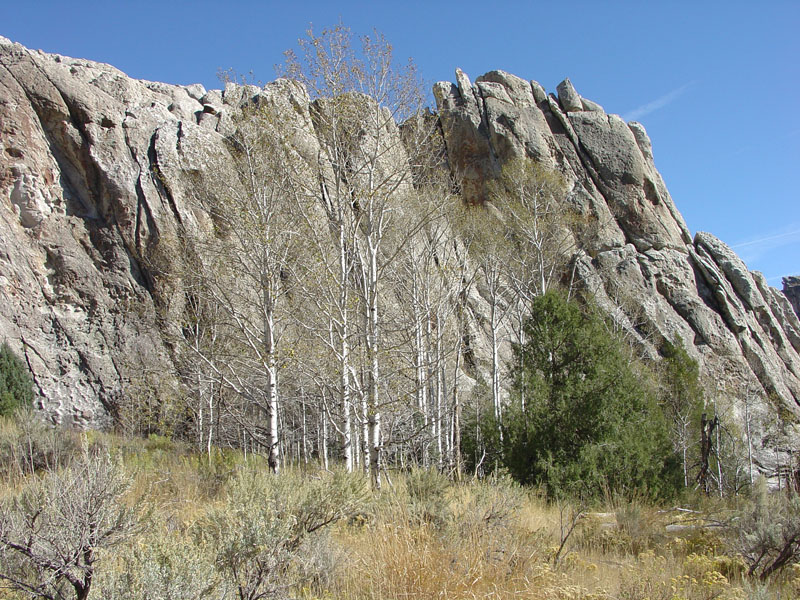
(224, 528)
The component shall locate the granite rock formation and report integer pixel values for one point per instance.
(92, 180)
(642, 264)
(791, 289)
(93, 167)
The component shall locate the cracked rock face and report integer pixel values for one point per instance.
(83, 155)
(643, 266)
(93, 175)
(93, 182)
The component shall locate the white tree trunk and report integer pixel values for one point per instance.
(273, 454)
(374, 434)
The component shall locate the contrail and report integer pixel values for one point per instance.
(661, 102)
(753, 251)
(768, 238)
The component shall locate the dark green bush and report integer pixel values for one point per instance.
(16, 386)
(591, 423)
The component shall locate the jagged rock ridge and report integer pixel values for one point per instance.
(791, 289)
(643, 265)
(92, 181)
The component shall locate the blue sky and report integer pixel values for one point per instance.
(716, 84)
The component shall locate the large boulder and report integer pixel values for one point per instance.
(791, 289)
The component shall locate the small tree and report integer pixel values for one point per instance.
(16, 387)
(682, 399)
(253, 265)
(51, 531)
(364, 176)
(489, 245)
(591, 424)
(537, 221)
(531, 201)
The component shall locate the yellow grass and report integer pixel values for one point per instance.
(477, 540)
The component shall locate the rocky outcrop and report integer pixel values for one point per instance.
(95, 193)
(791, 289)
(642, 265)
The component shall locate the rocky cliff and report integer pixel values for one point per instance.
(642, 264)
(92, 180)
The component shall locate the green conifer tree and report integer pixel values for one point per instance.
(16, 386)
(591, 423)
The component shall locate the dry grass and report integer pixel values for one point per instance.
(392, 560)
(486, 550)
(428, 539)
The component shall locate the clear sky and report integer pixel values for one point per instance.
(716, 84)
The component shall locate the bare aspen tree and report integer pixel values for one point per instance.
(427, 297)
(254, 257)
(328, 289)
(749, 394)
(364, 171)
(530, 200)
(463, 274)
(488, 241)
(682, 399)
(201, 333)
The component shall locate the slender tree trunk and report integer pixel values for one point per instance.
(498, 415)
(521, 340)
(210, 436)
(344, 363)
(419, 368)
(439, 379)
(347, 429)
(200, 403)
(364, 434)
(374, 434)
(323, 442)
(273, 456)
(685, 459)
(304, 434)
(458, 464)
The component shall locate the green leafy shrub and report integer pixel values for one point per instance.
(16, 386)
